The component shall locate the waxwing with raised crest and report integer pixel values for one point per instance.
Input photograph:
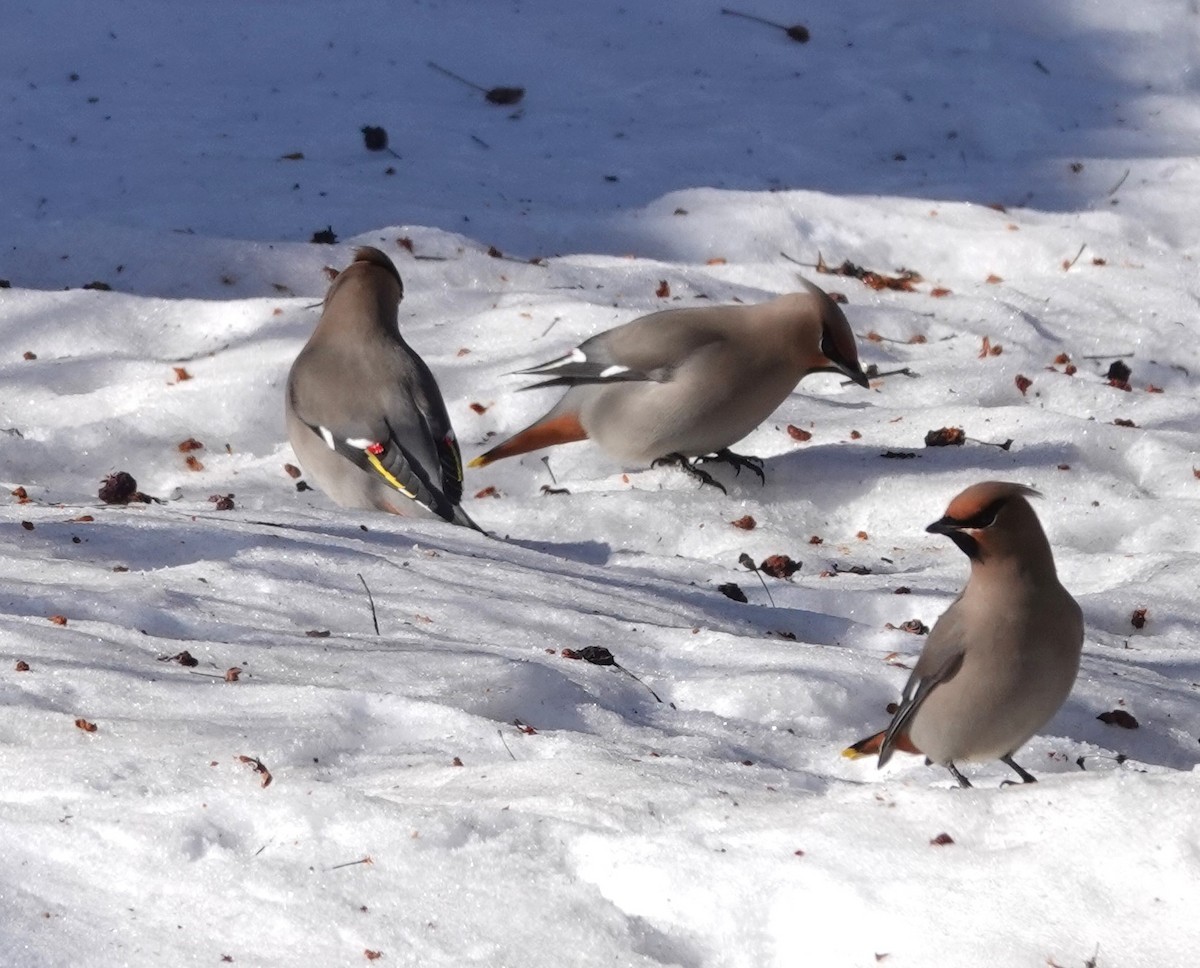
(364, 413)
(688, 383)
(1002, 659)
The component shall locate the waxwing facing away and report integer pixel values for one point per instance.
(1003, 657)
(364, 413)
(688, 383)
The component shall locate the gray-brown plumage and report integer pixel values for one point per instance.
(688, 382)
(364, 413)
(1002, 658)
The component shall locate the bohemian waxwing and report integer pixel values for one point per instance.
(1003, 657)
(364, 413)
(689, 382)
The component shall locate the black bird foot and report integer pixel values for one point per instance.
(962, 780)
(1025, 775)
(689, 468)
(736, 461)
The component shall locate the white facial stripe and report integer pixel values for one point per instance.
(327, 435)
(613, 370)
(361, 443)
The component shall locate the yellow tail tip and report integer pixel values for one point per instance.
(853, 754)
(480, 461)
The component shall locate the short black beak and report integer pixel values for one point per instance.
(943, 526)
(857, 375)
(957, 532)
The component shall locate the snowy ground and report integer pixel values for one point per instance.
(509, 806)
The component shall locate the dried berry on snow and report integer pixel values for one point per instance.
(946, 437)
(779, 566)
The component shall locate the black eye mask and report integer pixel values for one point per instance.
(956, 528)
(984, 519)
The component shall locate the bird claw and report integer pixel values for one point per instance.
(689, 468)
(963, 782)
(1025, 775)
(737, 461)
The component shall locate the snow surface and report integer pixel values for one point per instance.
(588, 823)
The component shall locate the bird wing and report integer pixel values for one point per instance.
(916, 691)
(452, 466)
(384, 456)
(396, 429)
(649, 348)
(400, 469)
(435, 427)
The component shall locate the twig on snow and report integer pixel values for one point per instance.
(875, 374)
(500, 733)
(748, 563)
(797, 32)
(1082, 760)
(494, 95)
(1006, 445)
(371, 600)
(599, 655)
(351, 863)
(1067, 265)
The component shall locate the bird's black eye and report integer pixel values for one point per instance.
(828, 347)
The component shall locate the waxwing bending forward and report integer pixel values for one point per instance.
(688, 383)
(1003, 657)
(364, 413)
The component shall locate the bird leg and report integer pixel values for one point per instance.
(737, 461)
(685, 465)
(962, 780)
(1025, 775)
